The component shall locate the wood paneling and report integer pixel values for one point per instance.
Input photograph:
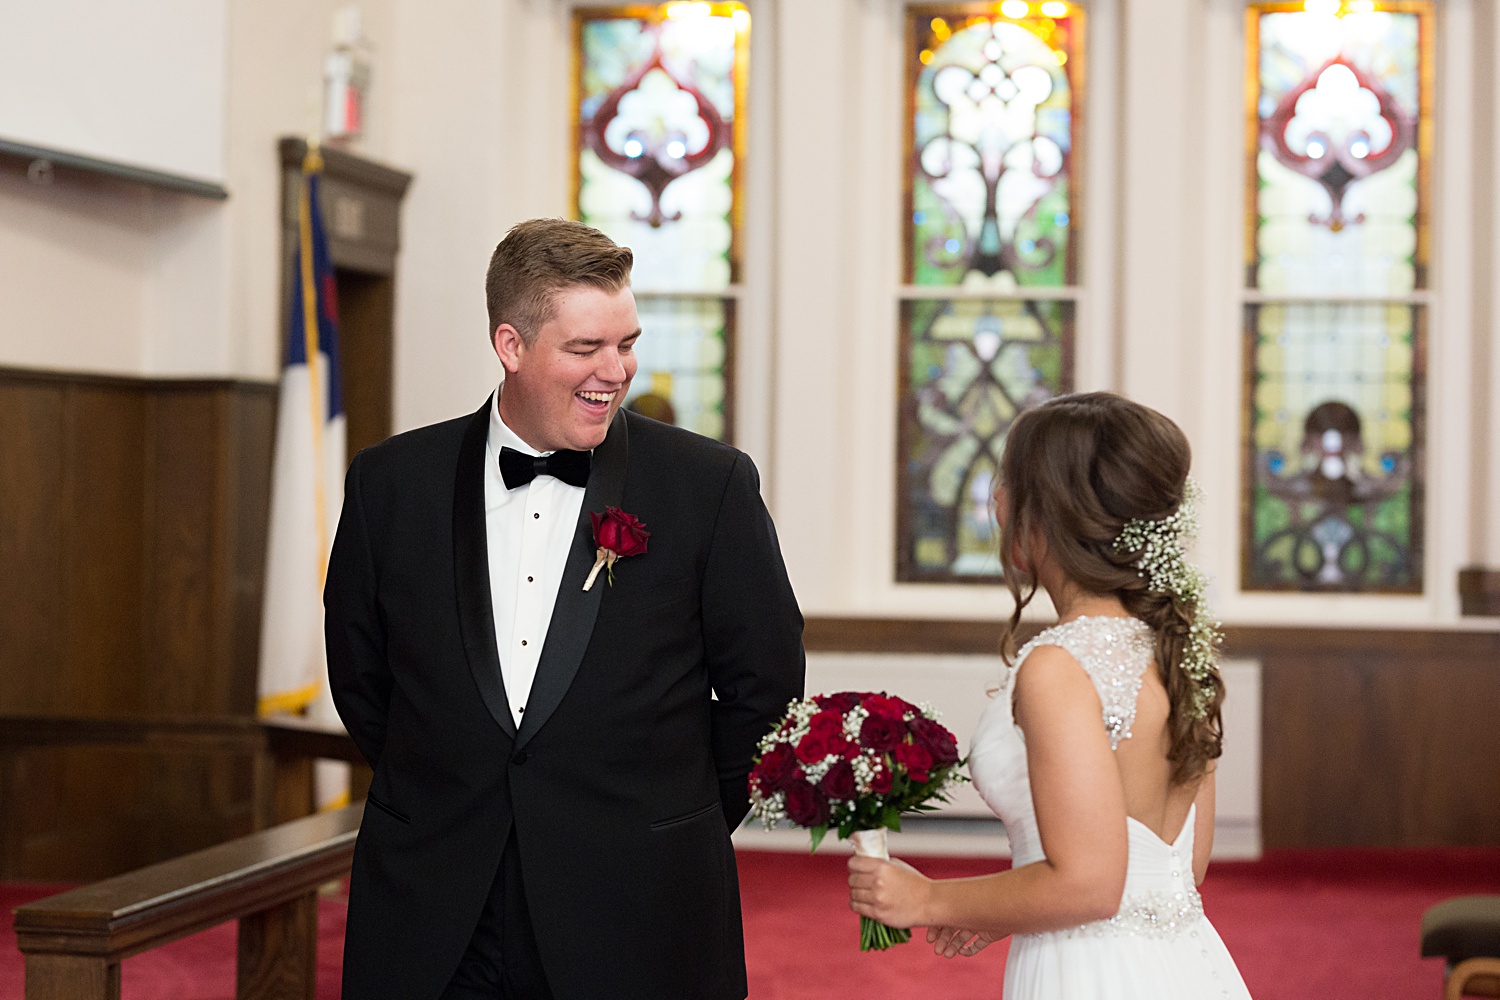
(367, 347)
(1368, 736)
(132, 534)
(1479, 591)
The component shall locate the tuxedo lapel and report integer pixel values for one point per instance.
(573, 616)
(471, 567)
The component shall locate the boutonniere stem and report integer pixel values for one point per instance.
(606, 558)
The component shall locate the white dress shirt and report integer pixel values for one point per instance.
(528, 531)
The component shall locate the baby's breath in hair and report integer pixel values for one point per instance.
(1161, 559)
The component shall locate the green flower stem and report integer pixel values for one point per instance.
(875, 936)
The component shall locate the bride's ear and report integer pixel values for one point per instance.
(1029, 550)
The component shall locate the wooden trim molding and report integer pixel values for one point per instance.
(1479, 591)
(346, 166)
(52, 378)
(981, 637)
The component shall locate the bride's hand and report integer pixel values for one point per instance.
(892, 892)
(951, 941)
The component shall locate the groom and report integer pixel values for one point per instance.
(557, 767)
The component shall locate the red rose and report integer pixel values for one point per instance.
(916, 761)
(838, 783)
(805, 805)
(881, 782)
(818, 744)
(777, 768)
(881, 733)
(826, 722)
(893, 708)
(619, 532)
(935, 738)
(840, 702)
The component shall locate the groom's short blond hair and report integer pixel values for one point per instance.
(540, 257)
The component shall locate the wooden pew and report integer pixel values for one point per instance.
(74, 941)
(281, 752)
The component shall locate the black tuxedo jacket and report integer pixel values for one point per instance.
(626, 775)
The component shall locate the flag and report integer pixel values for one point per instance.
(306, 491)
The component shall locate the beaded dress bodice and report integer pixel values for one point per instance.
(1159, 894)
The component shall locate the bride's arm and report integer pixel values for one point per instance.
(1080, 809)
(1203, 826)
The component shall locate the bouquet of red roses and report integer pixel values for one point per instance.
(854, 761)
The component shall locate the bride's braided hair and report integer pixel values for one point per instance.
(1078, 470)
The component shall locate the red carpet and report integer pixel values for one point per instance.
(1331, 925)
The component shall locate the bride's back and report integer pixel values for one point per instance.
(1151, 795)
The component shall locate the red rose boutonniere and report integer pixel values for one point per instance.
(617, 534)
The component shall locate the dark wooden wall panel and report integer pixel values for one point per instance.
(133, 518)
(366, 326)
(251, 419)
(103, 538)
(1376, 737)
(31, 574)
(183, 564)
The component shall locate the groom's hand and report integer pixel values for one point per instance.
(892, 892)
(951, 941)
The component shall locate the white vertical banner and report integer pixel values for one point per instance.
(306, 496)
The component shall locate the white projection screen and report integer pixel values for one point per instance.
(137, 83)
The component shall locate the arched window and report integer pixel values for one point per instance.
(991, 262)
(1339, 144)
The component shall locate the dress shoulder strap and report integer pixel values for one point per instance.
(1114, 652)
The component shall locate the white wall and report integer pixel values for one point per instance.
(481, 119)
(139, 83)
(103, 276)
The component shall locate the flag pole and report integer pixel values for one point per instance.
(312, 164)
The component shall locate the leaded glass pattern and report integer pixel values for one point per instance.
(972, 365)
(660, 143)
(990, 254)
(1339, 134)
(1337, 437)
(684, 361)
(992, 131)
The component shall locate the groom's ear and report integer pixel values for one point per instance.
(509, 346)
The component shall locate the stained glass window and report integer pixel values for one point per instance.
(1335, 318)
(991, 258)
(661, 127)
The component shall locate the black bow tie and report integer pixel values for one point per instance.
(518, 468)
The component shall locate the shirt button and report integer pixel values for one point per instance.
(536, 515)
(530, 579)
(523, 642)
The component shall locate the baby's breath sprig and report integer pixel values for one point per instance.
(1160, 550)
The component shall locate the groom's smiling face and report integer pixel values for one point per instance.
(564, 387)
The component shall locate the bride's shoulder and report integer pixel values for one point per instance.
(1107, 654)
(1097, 642)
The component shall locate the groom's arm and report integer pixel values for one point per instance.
(752, 633)
(358, 676)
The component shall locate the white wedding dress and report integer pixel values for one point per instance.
(1159, 946)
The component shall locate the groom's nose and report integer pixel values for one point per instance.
(611, 366)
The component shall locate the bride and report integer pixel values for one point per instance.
(1098, 750)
